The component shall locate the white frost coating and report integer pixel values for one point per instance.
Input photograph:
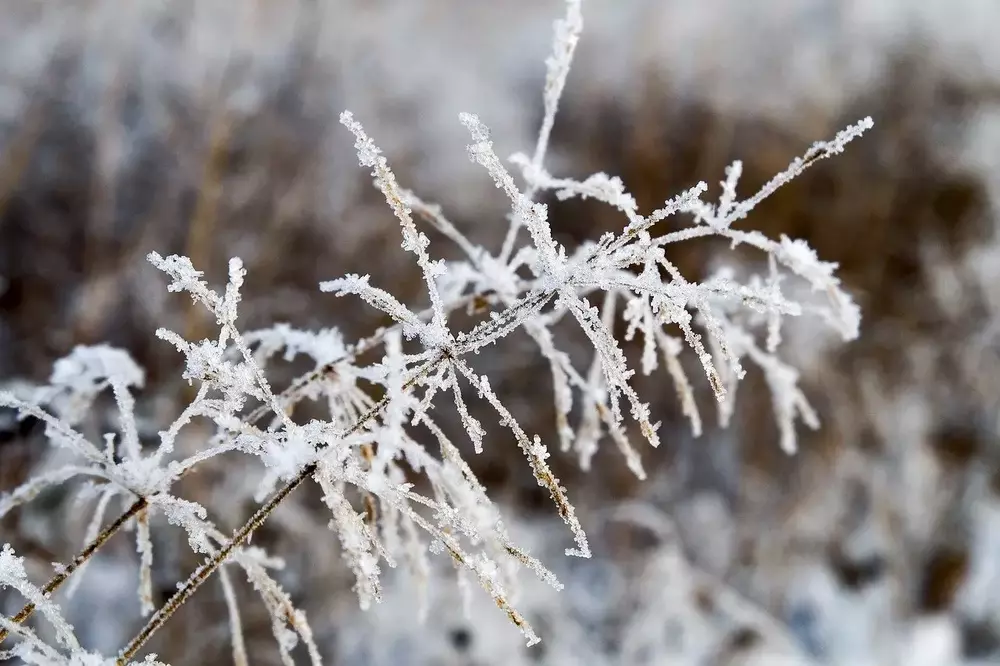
(365, 451)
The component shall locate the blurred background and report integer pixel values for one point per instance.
(209, 128)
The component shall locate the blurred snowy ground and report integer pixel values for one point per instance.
(210, 128)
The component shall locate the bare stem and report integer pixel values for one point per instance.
(207, 568)
(78, 561)
(240, 536)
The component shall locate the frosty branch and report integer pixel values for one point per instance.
(365, 449)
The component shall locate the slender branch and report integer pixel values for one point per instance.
(207, 568)
(240, 536)
(56, 582)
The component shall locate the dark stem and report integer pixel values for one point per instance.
(78, 561)
(240, 536)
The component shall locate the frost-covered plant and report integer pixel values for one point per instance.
(365, 452)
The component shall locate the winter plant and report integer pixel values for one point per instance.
(365, 452)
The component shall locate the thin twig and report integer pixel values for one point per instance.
(207, 568)
(78, 561)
